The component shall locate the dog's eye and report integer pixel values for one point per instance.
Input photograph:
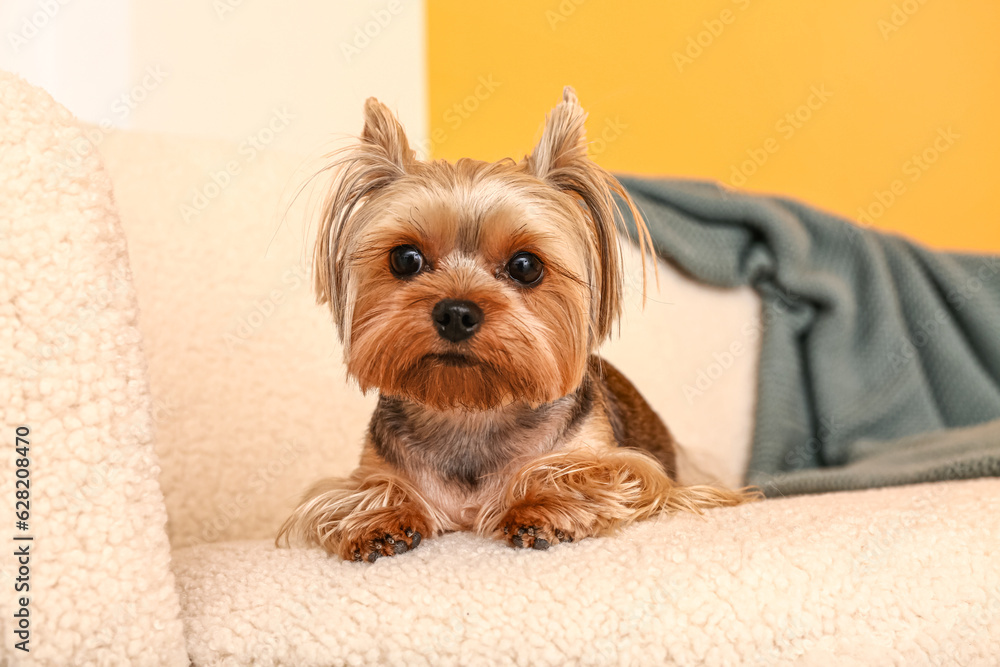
(525, 268)
(405, 260)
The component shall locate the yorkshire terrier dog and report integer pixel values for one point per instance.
(472, 297)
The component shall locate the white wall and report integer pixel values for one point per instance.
(223, 68)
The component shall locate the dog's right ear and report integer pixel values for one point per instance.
(384, 133)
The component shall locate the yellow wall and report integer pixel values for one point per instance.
(888, 80)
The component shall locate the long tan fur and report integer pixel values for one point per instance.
(339, 512)
(561, 159)
(599, 491)
(515, 432)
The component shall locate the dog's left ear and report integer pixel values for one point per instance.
(560, 159)
(564, 139)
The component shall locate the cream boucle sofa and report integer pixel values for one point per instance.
(212, 343)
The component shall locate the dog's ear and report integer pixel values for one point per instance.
(384, 134)
(382, 156)
(560, 159)
(564, 139)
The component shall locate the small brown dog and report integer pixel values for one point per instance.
(472, 297)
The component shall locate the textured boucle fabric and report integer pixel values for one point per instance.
(880, 359)
(72, 371)
(898, 576)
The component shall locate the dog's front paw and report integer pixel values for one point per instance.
(378, 543)
(389, 535)
(532, 527)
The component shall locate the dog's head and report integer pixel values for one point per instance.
(471, 285)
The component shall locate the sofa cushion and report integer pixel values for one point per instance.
(73, 382)
(903, 575)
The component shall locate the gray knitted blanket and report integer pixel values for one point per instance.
(880, 361)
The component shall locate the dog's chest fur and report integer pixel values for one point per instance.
(458, 456)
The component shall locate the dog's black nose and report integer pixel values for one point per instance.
(456, 320)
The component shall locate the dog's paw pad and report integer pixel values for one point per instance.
(532, 536)
(532, 525)
(381, 541)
